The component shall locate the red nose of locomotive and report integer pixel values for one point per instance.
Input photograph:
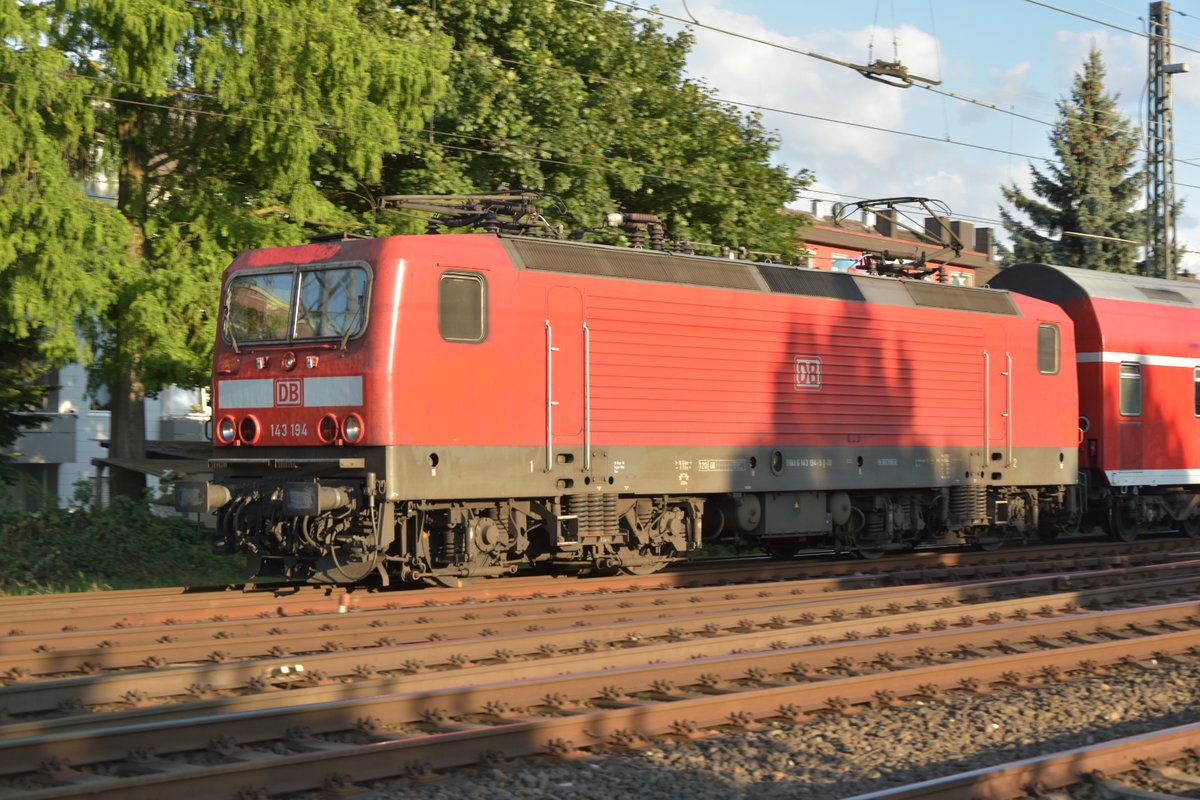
(274, 406)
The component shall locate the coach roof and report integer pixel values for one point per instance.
(1054, 283)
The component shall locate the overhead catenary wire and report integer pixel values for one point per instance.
(705, 180)
(757, 107)
(927, 87)
(620, 81)
(514, 143)
(324, 118)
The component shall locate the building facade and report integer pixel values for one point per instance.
(71, 446)
(852, 243)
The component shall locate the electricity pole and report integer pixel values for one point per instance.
(1160, 146)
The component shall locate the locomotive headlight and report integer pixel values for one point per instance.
(249, 429)
(226, 430)
(288, 361)
(352, 428)
(327, 428)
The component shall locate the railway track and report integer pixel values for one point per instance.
(444, 686)
(1117, 769)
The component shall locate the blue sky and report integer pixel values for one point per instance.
(1015, 54)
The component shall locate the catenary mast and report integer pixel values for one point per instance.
(1160, 148)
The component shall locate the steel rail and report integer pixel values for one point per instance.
(705, 632)
(445, 618)
(102, 610)
(1053, 771)
(828, 662)
(459, 621)
(571, 731)
(471, 635)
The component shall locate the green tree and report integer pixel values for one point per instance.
(591, 105)
(1090, 190)
(58, 248)
(21, 368)
(225, 127)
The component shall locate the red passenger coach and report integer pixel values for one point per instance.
(1138, 342)
(440, 407)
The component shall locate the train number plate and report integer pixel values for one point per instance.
(284, 429)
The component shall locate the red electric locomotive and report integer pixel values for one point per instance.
(1139, 391)
(439, 407)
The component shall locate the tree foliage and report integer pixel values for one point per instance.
(1090, 190)
(58, 249)
(254, 123)
(592, 106)
(21, 393)
(228, 127)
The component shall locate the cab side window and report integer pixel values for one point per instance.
(1048, 349)
(462, 306)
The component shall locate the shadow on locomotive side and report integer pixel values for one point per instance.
(437, 408)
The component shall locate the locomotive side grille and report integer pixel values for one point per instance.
(960, 298)
(643, 265)
(811, 282)
(1165, 295)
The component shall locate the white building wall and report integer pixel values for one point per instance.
(58, 455)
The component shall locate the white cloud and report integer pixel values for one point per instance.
(852, 153)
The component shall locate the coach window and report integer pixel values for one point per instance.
(462, 307)
(1131, 389)
(1048, 349)
(1196, 374)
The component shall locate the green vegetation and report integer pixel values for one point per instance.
(208, 129)
(1091, 190)
(124, 545)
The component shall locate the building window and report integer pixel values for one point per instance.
(1131, 389)
(462, 307)
(1048, 349)
(843, 262)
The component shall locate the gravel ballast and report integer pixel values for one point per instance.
(840, 756)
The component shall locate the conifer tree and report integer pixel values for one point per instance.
(56, 246)
(250, 124)
(1090, 189)
(225, 126)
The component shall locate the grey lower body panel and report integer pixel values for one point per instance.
(429, 473)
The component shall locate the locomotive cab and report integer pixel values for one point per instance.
(290, 415)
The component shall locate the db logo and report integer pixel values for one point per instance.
(289, 392)
(808, 373)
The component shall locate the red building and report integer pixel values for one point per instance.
(847, 245)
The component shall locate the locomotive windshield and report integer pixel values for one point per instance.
(296, 305)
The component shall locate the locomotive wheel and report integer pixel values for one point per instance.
(1122, 522)
(855, 538)
(645, 569)
(345, 564)
(449, 581)
(645, 562)
(1191, 527)
(781, 548)
(989, 544)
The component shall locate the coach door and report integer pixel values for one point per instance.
(566, 368)
(1130, 436)
(998, 395)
